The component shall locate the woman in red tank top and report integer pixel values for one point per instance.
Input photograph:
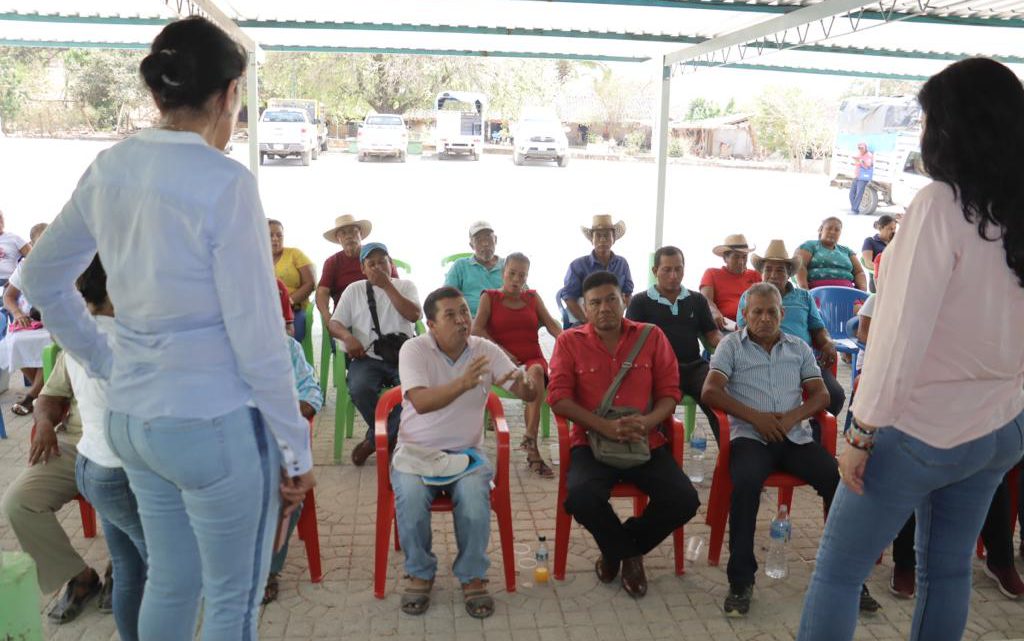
(510, 317)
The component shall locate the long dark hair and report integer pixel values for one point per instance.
(973, 137)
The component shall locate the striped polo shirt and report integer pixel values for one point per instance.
(767, 382)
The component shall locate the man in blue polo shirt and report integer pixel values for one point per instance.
(602, 234)
(684, 316)
(759, 376)
(802, 318)
(473, 274)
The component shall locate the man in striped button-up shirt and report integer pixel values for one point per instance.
(758, 377)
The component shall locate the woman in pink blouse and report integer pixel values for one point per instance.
(939, 414)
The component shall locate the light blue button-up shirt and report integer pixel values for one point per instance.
(183, 238)
(767, 382)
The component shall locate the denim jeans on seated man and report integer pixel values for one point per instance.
(949, 492)
(367, 378)
(194, 480)
(106, 488)
(471, 500)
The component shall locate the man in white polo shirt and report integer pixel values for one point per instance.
(446, 377)
(371, 319)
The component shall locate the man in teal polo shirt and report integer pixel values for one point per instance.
(802, 318)
(482, 270)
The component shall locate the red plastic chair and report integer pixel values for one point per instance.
(308, 531)
(87, 511)
(721, 484)
(1013, 480)
(501, 501)
(563, 520)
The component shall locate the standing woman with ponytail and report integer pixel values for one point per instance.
(939, 414)
(203, 411)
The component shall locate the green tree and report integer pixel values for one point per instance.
(702, 109)
(22, 70)
(106, 84)
(789, 122)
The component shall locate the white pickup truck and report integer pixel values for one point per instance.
(287, 132)
(382, 135)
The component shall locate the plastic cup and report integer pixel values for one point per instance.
(554, 453)
(540, 574)
(694, 547)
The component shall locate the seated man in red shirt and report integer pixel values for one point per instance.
(343, 268)
(584, 364)
(723, 286)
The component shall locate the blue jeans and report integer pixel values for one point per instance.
(367, 377)
(300, 323)
(949, 490)
(857, 188)
(106, 488)
(471, 498)
(208, 497)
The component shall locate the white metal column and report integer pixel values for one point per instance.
(253, 114)
(661, 149)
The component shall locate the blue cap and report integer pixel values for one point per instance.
(371, 247)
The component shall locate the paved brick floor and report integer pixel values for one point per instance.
(578, 609)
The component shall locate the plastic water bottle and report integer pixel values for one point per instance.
(540, 572)
(698, 446)
(777, 566)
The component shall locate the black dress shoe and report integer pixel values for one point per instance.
(362, 452)
(606, 570)
(73, 600)
(737, 602)
(634, 579)
(106, 603)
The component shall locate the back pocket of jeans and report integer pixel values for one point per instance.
(191, 453)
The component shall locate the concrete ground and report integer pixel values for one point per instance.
(577, 609)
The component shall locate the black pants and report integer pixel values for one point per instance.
(691, 382)
(995, 533)
(837, 399)
(673, 502)
(750, 463)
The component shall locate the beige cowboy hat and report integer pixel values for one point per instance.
(733, 243)
(776, 250)
(347, 220)
(604, 221)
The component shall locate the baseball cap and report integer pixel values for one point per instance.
(479, 226)
(371, 247)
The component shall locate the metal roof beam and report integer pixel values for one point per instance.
(456, 52)
(758, 7)
(210, 9)
(819, 71)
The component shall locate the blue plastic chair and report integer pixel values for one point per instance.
(836, 306)
(851, 331)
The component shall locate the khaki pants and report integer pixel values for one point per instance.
(31, 504)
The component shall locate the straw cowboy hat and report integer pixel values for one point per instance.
(733, 243)
(347, 220)
(604, 221)
(776, 250)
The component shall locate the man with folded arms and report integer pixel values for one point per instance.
(446, 377)
(583, 368)
(758, 377)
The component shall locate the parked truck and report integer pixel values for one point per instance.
(539, 135)
(314, 110)
(891, 127)
(287, 133)
(459, 126)
(382, 135)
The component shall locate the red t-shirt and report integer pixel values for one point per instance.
(516, 329)
(341, 270)
(286, 302)
(729, 287)
(582, 369)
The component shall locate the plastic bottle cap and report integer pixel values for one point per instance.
(543, 538)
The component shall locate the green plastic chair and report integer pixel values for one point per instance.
(49, 359)
(448, 260)
(345, 409)
(545, 410)
(689, 415)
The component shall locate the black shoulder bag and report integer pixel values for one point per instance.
(611, 452)
(386, 346)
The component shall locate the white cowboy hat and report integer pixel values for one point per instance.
(776, 250)
(733, 243)
(604, 221)
(347, 220)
